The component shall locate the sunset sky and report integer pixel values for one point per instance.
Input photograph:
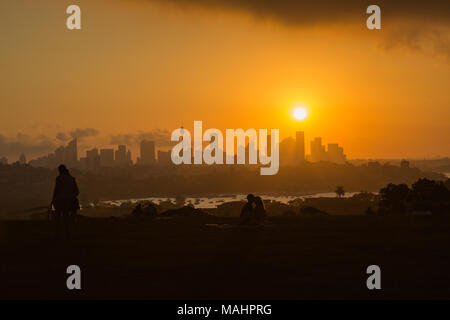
(143, 68)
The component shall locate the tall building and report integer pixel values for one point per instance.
(106, 157)
(318, 152)
(60, 155)
(336, 153)
(92, 160)
(287, 151)
(92, 154)
(71, 153)
(147, 152)
(121, 155)
(67, 155)
(129, 160)
(300, 146)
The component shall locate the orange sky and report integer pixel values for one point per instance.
(139, 66)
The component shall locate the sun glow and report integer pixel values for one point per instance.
(300, 113)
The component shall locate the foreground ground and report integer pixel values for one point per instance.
(294, 258)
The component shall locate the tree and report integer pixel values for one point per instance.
(393, 198)
(429, 195)
(340, 191)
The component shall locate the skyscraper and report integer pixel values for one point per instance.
(147, 152)
(336, 153)
(106, 157)
(318, 152)
(92, 159)
(300, 146)
(121, 155)
(71, 153)
(67, 155)
(129, 160)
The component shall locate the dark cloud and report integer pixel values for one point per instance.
(300, 12)
(161, 137)
(422, 39)
(80, 134)
(61, 136)
(405, 23)
(22, 143)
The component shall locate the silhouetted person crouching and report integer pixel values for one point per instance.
(65, 199)
(259, 212)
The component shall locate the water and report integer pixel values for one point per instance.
(213, 202)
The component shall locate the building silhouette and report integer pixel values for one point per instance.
(71, 153)
(67, 155)
(147, 150)
(120, 158)
(318, 152)
(107, 157)
(92, 160)
(300, 146)
(335, 153)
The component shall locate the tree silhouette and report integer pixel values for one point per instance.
(340, 191)
(393, 198)
(429, 195)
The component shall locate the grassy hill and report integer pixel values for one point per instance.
(181, 258)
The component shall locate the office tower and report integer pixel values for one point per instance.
(335, 153)
(147, 152)
(106, 157)
(60, 155)
(287, 150)
(129, 160)
(121, 155)
(92, 159)
(318, 150)
(71, 153)
(84, 163)
(300, 146)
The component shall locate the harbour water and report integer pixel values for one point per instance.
(213, 202)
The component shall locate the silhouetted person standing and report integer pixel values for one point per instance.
(247, 210)
(65, 198)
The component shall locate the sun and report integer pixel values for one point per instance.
(300, 113)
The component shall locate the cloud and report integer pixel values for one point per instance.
(80, 134)
(22, 143)
(161, 137)
(430, 39)
(405, 23)
(61, 136)
(301, 12)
